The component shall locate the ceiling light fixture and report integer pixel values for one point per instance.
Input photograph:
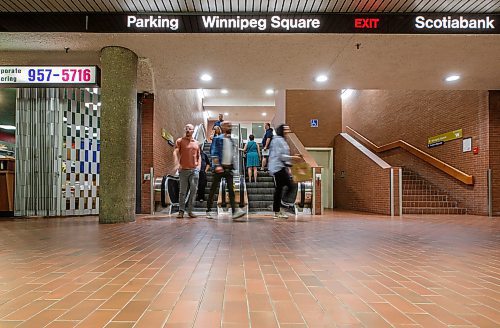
(452, 78)
(269, 91)
(346, 93)
(206, 77)
(264, 114)
(224, 91)
(7, 127)
(321, 78)
(226, 114)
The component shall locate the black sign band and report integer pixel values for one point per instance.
(423, 23)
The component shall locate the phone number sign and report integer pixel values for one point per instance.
(49, 76)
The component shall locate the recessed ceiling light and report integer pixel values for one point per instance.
(346, 93)
(269, 91)
(224, 91)
(206, 77)
(321, 78)
(227, 114)
(7, 127)
(452, 78)
(264, 114)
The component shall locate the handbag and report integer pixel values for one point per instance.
(265, 152)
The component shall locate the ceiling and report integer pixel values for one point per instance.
(469, 6)
(248, 64)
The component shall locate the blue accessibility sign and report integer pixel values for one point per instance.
(314, 123)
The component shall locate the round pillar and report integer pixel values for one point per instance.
(118, 135)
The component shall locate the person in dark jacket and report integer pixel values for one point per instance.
(202, 182)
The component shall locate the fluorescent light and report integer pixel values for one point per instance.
(206, 77)
(321, 78)
(452, 78)
(346, 93)
(224, 91)
(65, 119)
(7, 127)
(269, 91)
(264, 114)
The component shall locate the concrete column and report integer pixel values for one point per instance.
(118, 135)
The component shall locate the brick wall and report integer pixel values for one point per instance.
(360, 183)
(413, 116)
(173, 110)
(494, 147)
(324, 105)
(170, 110)
(147, 150)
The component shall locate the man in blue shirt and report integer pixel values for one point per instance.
(222, 161)
(266, 141)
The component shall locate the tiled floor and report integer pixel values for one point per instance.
(338, 270)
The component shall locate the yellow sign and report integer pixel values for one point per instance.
(448, 136)
(167, 136)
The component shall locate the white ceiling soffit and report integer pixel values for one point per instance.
(262, 6)
(255, 98)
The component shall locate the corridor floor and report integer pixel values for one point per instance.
(337, 270)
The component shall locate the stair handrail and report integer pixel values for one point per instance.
(437, 163)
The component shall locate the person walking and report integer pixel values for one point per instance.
(187, 159)
(252, 151)
(266, 142)
(222, 161)
(279, 163)
(202, 182)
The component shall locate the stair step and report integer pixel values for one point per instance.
(260, 197)
(431, 210)
(420, 198)
(433, 204)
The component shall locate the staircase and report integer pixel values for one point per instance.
(260, 193)
(422, 197)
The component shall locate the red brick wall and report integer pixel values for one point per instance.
(324, 105)
(147, 150)
(363, 185)
(494, 147)
(173, 110)
(413, 116)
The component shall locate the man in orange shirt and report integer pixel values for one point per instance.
(187, 159)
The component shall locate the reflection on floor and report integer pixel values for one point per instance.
(338, 270)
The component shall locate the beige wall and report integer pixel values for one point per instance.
(324, 105)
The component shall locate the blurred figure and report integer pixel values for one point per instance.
(252, 151)
(202, 182)
(222, 161)
(187, 161)
(279, 164)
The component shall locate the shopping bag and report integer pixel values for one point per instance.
(301, 172)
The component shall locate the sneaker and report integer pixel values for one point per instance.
(192, 215)
(180, 215)
(238, 214)
(280, 215)
(209, 215)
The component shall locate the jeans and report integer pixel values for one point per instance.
(282, 179)
(188, 179)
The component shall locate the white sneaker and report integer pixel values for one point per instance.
(280, 215)
(238, 214)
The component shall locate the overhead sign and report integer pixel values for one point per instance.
(423, 23)
(314, 123)
(49, 76)
(442, 138)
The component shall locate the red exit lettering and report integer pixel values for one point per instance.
(366, 22)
